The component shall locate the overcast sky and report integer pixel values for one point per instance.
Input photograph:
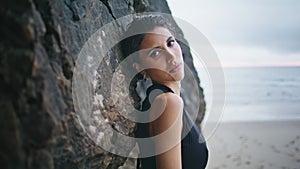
(246, 32)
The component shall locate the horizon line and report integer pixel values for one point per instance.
(233, 65)
(245, 65)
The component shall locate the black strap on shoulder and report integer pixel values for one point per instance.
(147, 103)
(159, 86)
(154, 90)
(138, 163)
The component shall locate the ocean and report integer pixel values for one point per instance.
(257, 93)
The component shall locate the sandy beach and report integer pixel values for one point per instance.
(255, 145)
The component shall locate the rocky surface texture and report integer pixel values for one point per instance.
(39, 45)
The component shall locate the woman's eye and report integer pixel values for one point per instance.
(154, 53)
(171, 43)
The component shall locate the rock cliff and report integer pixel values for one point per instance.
(39, 45)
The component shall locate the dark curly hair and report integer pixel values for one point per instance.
(131, 42)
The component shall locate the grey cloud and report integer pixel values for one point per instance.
(272, 24)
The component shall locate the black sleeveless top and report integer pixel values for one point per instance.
(194, 152)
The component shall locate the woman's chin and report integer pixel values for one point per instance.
(178, 76)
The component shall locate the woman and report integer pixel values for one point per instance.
(159, 57)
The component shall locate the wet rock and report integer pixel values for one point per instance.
(39, 46)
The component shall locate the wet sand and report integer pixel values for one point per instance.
(255, 145)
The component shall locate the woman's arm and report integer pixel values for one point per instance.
(169, 106)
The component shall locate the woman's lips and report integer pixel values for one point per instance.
(176, 68)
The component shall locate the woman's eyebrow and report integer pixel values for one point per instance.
(156, 47)
(171, 37)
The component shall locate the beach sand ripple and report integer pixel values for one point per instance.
(261, 145)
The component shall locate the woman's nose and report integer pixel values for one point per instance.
(170, 56)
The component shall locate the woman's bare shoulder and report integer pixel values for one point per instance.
(169, 100)
(165, 110)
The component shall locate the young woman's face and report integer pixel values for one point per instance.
(161, 56)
